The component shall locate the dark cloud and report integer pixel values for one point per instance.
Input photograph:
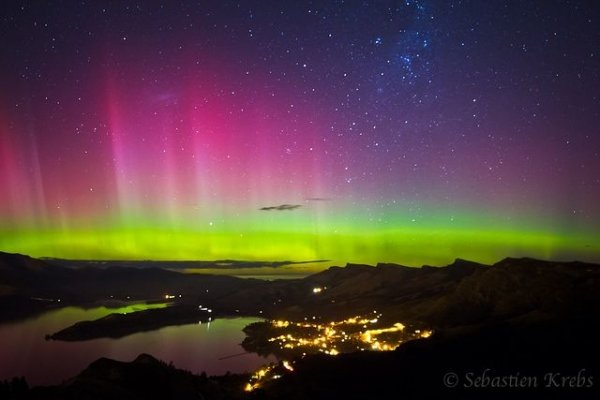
(318, 199)
(282, 207)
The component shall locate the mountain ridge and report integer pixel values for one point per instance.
(457, 294)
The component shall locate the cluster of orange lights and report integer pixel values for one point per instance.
(352, 334)
(337, 336)
(267, 373)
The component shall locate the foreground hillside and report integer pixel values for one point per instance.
(550, 360)
(520, 328)
(143, 378)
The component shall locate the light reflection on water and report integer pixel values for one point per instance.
(197, 348)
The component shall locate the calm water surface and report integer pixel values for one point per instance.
(197, 348)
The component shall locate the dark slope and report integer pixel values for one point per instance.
(518, 316)
(27, 277)
(417, 369)
(462, 293)
(521, 289)
(548, 359)
(143, 378)
(395, 290)
(21, 274)
(28, 286)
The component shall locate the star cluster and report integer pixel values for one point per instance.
(407, 131)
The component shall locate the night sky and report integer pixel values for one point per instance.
(400, 131)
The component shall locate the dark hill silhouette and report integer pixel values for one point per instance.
(23, 273)
(459, 294)
(143, 378)
(522, 316)
(32, 285)
(416, 370)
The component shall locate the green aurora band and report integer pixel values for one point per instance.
(293, 236)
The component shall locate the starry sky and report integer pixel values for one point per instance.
(364, 131)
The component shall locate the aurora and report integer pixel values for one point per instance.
(286, 136)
